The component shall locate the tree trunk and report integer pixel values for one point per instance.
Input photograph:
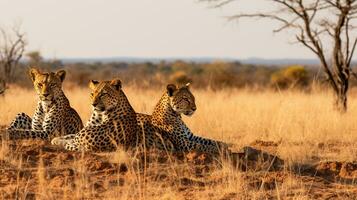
(3, 87)
(342, 89)
(7, 72)
(341, 101)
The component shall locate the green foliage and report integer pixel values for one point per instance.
(290, 77)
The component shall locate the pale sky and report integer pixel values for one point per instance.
(144, 28)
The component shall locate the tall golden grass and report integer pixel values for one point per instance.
(235, 116)
(300, 122)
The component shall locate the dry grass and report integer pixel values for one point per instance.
(303, 127)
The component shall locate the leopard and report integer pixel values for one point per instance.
(114, 123)
(53, 115)
(167, 117)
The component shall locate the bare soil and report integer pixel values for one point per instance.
(32, 169)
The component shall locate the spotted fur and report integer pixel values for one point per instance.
(167, 116)
(53, 116)
(111, 114)
(153, 136)
(113, 121)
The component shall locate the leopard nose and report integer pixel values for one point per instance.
(194, 108)
(94, 104)
(46, 95)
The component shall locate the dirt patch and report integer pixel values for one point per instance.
(268, 181)
(347, 170)
(33, 169)
(267, 146)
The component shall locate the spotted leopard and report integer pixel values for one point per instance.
(167, 116)
(114, 122)
(53, 116)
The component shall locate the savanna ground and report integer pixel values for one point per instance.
(315, 146)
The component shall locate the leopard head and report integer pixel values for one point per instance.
(182, 100)
(48, 85)
(105, 94)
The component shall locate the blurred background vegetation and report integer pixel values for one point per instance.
(213, 75)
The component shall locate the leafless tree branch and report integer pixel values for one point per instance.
(12, 47)
(314, 22)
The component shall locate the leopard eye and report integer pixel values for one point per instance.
(39, 84)
(91, 94)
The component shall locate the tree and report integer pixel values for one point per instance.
(316, 23)
(2, 87)
(35, 58)
(180, 78)
(12, 47)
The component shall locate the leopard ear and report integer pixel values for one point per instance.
(33, 73)
(61, 74)
(93, 84)
(171, 88)
(116, 83)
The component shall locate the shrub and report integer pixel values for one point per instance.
(290, 77)
(180, 78)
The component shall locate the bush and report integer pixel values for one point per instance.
(180, 78)
(214, 75)
(290, 77)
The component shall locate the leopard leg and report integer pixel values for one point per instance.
(72, 145)
(21, 121)
(63, 140)
(67, 137)
(38, 118)
(51, 123)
